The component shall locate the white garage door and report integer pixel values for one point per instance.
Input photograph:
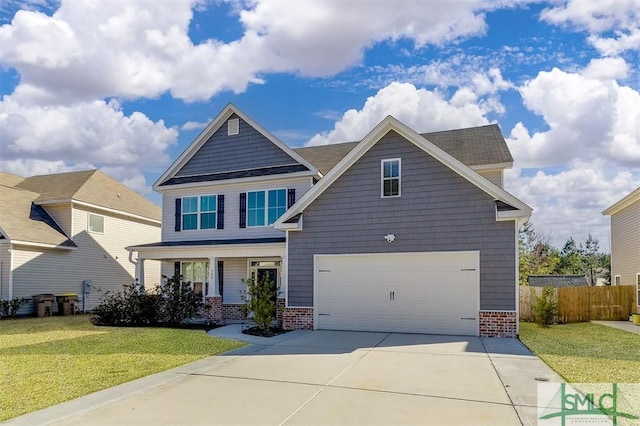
(401, 292)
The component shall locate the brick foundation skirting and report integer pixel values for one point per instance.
(280, 307)
(233, 311)
(498, 323)
(214, 312)
(297, 319)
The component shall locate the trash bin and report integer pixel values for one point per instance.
(43, 304)
(67, 303)
(636, 319)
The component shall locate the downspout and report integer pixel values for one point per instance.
(135, 262)
(10, 272)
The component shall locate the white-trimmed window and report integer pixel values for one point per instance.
(265, 207)
(199, 212)
(390, 171)
(616, 280)
(96, 223)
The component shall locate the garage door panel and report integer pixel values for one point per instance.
(408, 292)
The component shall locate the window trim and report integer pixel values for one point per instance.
(198, 213)
(617, 280)
(89, 223)
(266, 206)
(383, 179)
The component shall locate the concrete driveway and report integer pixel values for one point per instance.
(328, 378)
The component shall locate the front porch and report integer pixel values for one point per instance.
(217, 271)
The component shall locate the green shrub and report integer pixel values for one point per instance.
(170, 303)
(260, 300)
(10, 308)
(545, 308)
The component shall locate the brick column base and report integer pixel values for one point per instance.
(214, 312)
(498, 323)
(297, 319)
(280, 306)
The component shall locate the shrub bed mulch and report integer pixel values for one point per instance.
(271, 332)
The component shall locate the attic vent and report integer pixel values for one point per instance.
(233, 126)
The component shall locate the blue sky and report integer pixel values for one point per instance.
(126, 85)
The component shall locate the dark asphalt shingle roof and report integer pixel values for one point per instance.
(474, 146)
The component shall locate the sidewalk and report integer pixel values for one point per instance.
(621, 325)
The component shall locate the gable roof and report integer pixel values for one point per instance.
(625, 202)
(23, 221)
(91, 187)
(519, 209)
(298, 163)
(480, 148)
(557, 281)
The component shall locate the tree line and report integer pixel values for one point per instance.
(538, 257)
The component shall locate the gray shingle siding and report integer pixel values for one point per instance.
(247, 150)
(438, 211)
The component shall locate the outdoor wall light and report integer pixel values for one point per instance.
(390, 238)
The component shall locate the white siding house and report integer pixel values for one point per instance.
(625, 242)
(59, 230)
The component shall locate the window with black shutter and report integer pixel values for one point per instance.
(220, 224)
(243, 210)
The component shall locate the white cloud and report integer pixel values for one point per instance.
(570, 203)
(421, 109)
(588, 157)
(194, 125)
(614, 24)
(79, 135)
(88, 50)
(590, 116)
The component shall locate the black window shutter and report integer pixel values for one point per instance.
(243, 210)
(291, 197)
(221, 277)
(220, 224)
(176, 270)
(178, 214)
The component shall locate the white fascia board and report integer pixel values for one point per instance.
(41, 245)
(213, 127)
(100, 208)
(512, 215)
(623, 203)
(225, 182)
(386, 125)
(495, 166)
(297, 226)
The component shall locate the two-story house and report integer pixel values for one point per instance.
(67, 233)
(625, 242)
(397, 232)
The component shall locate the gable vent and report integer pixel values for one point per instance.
(233, 126)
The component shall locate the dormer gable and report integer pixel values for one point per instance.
(231, 147)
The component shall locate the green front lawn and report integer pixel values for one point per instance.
(44, 361)
(585, 352)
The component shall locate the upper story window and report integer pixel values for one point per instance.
(199, 212)
(96, 223)
(390, 175)
(265, 207)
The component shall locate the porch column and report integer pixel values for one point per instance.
(214, 288)
(140, 273)
(213, 312)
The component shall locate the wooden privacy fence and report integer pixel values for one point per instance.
(576, 304)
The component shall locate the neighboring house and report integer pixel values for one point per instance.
(59, 230)
(557, 281)
(625, 242)
(398, 232)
